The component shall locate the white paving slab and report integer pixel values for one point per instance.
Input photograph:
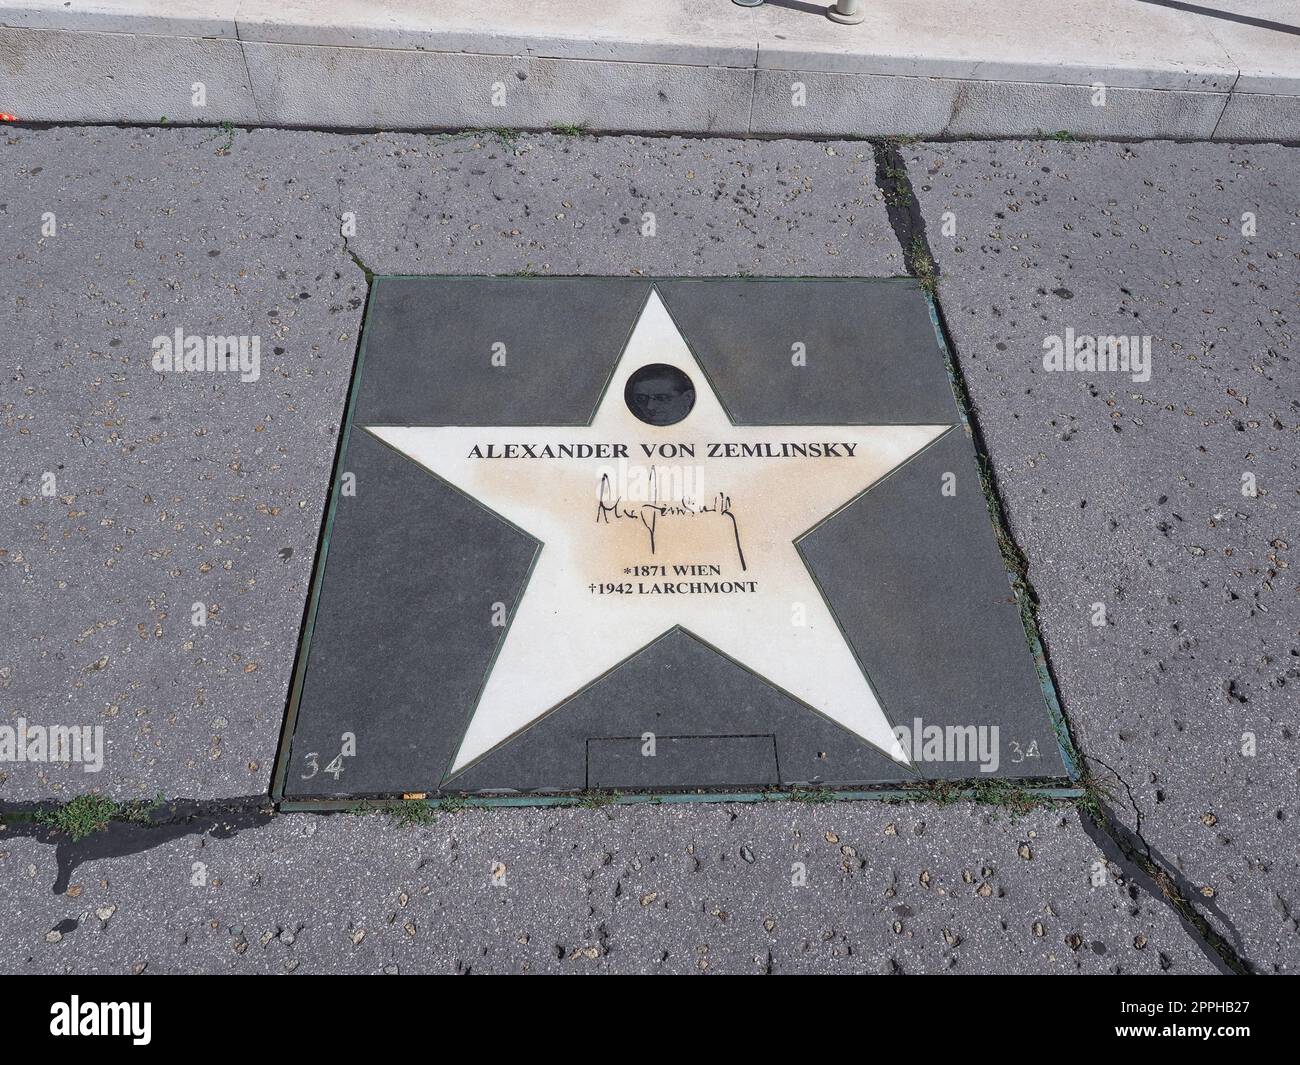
(986, 68)
(176, 18)
(1256, 117)
(61, 76)
(1115, 42)
(1268, 57)
(300, 85)
(664, 31)
(812, 103)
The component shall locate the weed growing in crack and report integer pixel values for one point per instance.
(228, 128)
(819, 796)
(1095, 797)
(413, 812)
(85, 815)
(921, 265)
(81, 817)
(594, 800)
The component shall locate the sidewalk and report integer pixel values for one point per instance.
(1123, 492)
(778, 888)
(953, 68)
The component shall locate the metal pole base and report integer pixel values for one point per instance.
(851, 19)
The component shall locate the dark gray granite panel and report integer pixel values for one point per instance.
(916, 580)
(403, 636)
(868, 350)
(430, 347)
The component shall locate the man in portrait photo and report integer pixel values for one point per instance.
(660, 394)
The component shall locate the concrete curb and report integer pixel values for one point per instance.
(977, 68)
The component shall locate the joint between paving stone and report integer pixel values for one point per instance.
(248, 74)
(1227, 99)
(450, 133)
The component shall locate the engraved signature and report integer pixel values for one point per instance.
(609, 508)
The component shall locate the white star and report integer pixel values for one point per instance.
(592, 601)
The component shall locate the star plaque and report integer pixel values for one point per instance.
(661, 536)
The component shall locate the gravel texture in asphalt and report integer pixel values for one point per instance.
(175, 496)
(1132, 499)
(778, 887)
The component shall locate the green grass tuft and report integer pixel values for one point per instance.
(81, 817)
(819, 796)
(594, 800)
(923, 268)
(409, 812)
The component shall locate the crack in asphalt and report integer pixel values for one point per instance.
(1128, 788)
(1173, 886)
(1162, 880)
(116, 839)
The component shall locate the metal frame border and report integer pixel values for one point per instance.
(963, 789)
